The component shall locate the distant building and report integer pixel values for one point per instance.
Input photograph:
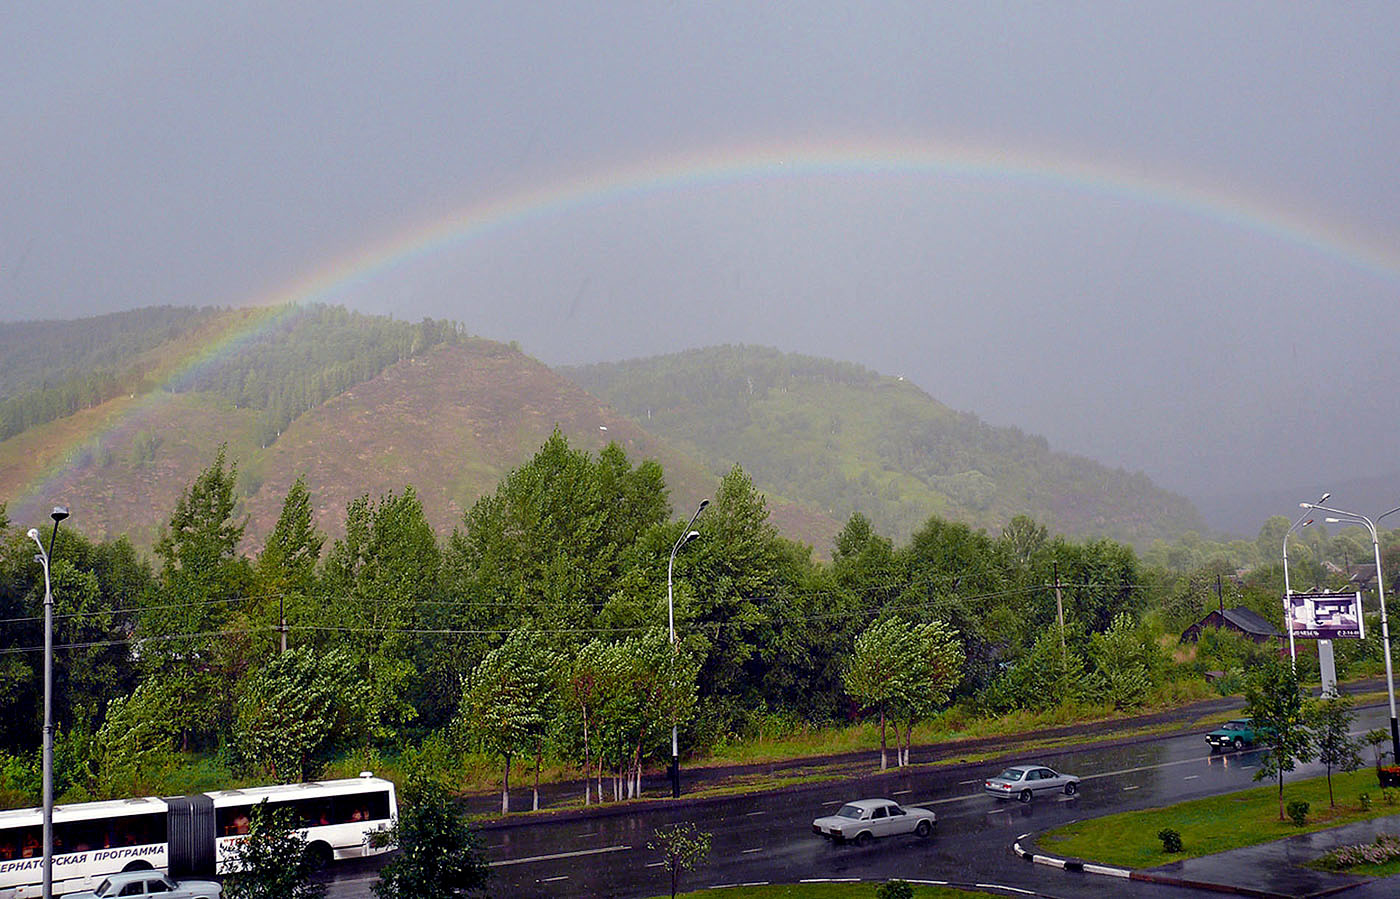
(1253, 625)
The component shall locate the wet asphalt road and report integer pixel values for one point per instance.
(768, 837)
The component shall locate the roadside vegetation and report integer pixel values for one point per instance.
(1218, 823)
(530, 644)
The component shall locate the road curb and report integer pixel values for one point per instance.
(1066, 864)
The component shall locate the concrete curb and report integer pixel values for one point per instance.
(1068, 864)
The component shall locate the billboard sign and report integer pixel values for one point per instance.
(1326, 616)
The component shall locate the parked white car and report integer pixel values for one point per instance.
(150, 885)
(866, 819)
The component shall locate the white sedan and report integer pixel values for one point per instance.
(150, 885)
(866, 819)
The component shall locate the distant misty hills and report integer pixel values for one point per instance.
(366, 405)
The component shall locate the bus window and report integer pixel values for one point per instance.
(232, 821)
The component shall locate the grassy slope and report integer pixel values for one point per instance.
(844, 439)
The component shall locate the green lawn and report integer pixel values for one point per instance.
(827, 891)
(1216, 823)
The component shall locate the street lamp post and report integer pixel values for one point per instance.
(686, 536)
(1287, 587)
(58, 514)
(1357, 518)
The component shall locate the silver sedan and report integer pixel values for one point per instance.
(1024, 781)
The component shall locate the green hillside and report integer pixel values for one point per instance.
(844, 439)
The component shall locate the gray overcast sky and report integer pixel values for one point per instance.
(1176, 247)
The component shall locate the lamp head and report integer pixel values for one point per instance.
(703, 504)
(1305, 505)
(59, 513)
(33, 533)
(1332, 520)
(1325, 497)
(689, 537)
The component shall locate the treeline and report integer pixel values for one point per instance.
(537, 631)
(299, 359)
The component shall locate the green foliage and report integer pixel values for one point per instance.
(1275, 700)
(1171, 839)
(507, 706)
(299, 705)
(1377, 738)
(682, 847)
(895, 889)
(1365, 800)
(1123, 657)
(138, 739)
(272, 861)
(1331, 719)
(438, 855)
(1298, 812)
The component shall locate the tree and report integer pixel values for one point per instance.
(438, 856)
(507, 706)
(201, 573)
(682, 847)
(1122, 661)
(297, 705)
(1274, 699)
(878, 672)
(936, 668)
(272, 861)
(1331, 723)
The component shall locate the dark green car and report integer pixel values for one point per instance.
(1236, 734)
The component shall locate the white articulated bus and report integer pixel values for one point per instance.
(185, 835)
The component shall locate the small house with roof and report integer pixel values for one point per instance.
(1250, 623)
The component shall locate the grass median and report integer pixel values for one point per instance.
(1218, 823)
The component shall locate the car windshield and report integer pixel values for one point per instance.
(1236, 725)
(104, 888)
(1011, 774)
(849, 811)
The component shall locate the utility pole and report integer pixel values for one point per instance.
(282, 616)
(1060, 613)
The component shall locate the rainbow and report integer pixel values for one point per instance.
(730, 166)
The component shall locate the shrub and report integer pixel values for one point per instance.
(1365, 801)
(1171, 840)
(1387, 797)
(895, 889)
(1385, 849)
(1298, 811)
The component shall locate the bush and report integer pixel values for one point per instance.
(1365, 801)
(895, 889)
(1298, 811)
(1171, 840)
(1387, 797)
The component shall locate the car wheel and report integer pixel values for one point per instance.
(1025, 796)
(1071, 789)
(1239, 744)
(863, 838)
(924, 829)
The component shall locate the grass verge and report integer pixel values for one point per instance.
(1216, 823)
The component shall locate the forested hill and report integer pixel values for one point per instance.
(357, 405)
(845, 439)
